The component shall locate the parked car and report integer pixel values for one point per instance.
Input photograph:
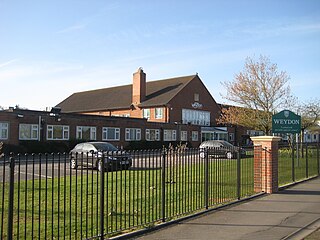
(220, 149)
(92, 153)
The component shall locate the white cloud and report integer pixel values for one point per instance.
(8, 62)
(72, 28)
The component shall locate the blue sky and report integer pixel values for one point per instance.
(51, 49)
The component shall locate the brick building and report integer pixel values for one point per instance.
(19, 126)
(177, 100)
(181, 100)
(169, 110)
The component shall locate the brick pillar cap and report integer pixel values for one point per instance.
(266, 139)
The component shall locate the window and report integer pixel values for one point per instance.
(133, 134)
(231, 137)
(195, 136)
(196, 97)
(121, 115)
(158, 113)
(86, 133)
(170, 135)
(146, 113)
(28, 131)
(195, 117)
(152, 134)
(4, 129)
(111, 134)
(184, 136)
(57, 132)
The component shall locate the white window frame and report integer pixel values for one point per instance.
(146, 113)
(4, 130)
(65, 132)
(195, 136)
(152, 134)
(106, 135)
(196, 117)
(184, 136)
(133, 134)
(93, 132)
(169, 135)
(231, 137)
(158, 113)
(33, 131)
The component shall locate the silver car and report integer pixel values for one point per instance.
(220, 149)
(92, 153)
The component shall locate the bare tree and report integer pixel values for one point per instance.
(259, 91)
(310, 116)
(310, 113)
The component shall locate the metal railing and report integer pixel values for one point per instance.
(42, 197)
(298, 162)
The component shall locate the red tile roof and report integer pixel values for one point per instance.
(159, 93)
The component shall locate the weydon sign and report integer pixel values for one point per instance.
(286, 122)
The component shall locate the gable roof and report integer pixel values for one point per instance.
(158, 93)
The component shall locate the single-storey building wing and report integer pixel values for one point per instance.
(28, 128)
(180, 100)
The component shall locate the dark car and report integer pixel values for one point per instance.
(220, 148)
(92, 153)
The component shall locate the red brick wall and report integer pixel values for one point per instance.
(185, 99)
(265, 163)
(74, 120)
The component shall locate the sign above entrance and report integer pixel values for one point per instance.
(286, 122)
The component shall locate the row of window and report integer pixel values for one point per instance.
(146, 113)
(62, 132)
(196, 117)
(158, 113)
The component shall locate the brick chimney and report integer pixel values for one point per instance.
(139, 87)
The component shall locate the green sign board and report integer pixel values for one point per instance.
(286, 122)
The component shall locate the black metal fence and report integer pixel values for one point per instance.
(298, 161)
(42, 197)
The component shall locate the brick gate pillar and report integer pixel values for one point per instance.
(265, 163)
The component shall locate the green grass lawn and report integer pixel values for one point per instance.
(300, 166)
(69, 206)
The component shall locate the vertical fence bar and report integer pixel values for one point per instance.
(39, 197)
(238, 174)
(318, 162)
(163, 183)
(307, 161)
(292, 165)
(11, 196)
(102, 197)
(206, 180)
(2, 195)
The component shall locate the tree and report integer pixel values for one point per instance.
(259, 91)
(310, 114)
